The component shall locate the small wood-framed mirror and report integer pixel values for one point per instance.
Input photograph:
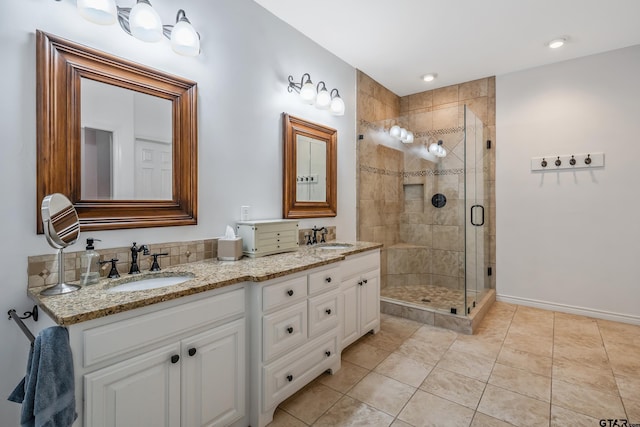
(101, 162)
(310, 169)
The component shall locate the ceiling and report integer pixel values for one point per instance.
(396, 42)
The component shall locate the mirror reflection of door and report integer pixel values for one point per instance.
(97, 153)
(153, 170)
(140, 154)
(311, 174)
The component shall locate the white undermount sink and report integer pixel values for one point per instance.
(153, 282)
(335, 246)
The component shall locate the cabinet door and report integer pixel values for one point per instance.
(143, 391)
(369, 302)
(213, 376)
(349, 311)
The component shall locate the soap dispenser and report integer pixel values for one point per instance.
(89, 266)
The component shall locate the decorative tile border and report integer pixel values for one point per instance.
(403, 174)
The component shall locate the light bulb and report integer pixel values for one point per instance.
(323, 100)
(395, 131)
(144, 22)
(337, 106)
(403, 134)
(184, 38)
(433, 148)
(409, 138)
(429, 77)
(555, 44)
(101, 12)
(308, 92)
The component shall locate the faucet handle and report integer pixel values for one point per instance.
(155, 266)
(113, 273)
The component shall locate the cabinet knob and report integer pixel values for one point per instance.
(328, 279)
(290, 292)
(290, 329)
(175, 358)
(328, 311)
(327, 353)
(289, 377)
(192, 351)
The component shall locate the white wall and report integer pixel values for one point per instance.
(247, 55)
(570, 240)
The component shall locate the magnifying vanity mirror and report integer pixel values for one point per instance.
(119, 138)
(62, 228)
(310, 176)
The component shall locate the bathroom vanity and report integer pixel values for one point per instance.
(224, 348)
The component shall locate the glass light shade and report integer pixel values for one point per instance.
(443, 152)
(409, 138)
(433, 148)
(337, 106)
(323, 100)
(145, 23)
(103, 12)
(403, 134)
(184, 39)
(395, 131)
(308, 92)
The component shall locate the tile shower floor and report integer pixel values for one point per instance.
(435, 297)
(523, 367)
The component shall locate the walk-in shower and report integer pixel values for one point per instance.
(432, 214)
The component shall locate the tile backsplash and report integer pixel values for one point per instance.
(43, 269)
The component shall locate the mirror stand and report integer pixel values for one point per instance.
(61, 287)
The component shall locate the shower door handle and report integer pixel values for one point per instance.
(472, 216)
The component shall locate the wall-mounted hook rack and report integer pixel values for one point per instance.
(568, 161)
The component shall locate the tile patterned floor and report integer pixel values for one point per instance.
(435, 297)
(523, 367)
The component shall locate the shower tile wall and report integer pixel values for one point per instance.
(423, 245)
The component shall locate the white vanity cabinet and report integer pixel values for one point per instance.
(177, 365)
(359, 302)
(295, 336)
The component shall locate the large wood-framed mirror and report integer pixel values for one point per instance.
(310, 169)
(119, 139)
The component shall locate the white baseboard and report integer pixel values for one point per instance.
(564, 308)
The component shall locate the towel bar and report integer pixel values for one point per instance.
(18, 319)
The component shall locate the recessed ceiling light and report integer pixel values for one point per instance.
(429, 77)
(556, 43)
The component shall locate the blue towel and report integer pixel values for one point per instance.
(47, 391)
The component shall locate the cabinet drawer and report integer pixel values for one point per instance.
(324, 280)
(357, 264)
(107, 341)
(276, 236)
(323, 313)
(288, 374)
(284, 293)
(273, 248)
(284, 329)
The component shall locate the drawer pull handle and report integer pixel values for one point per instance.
(290, 292)
(289, 377)
(327, 353)
(290, 329)
(328, 311)
(365, 280)
(192, 351)
(175, 358)
(328, 279)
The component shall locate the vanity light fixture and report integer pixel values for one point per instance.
(437, 149)
(557, 43)
(402, 134)
(429, 77)
(318, 95)
(143, 22)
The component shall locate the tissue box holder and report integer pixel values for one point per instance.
(230, 250)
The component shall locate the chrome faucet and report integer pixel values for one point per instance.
(134, 257)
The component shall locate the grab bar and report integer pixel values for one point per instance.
(18, 319)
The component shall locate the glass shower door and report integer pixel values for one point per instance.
(475, 215)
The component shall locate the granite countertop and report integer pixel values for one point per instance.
(93, 301)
